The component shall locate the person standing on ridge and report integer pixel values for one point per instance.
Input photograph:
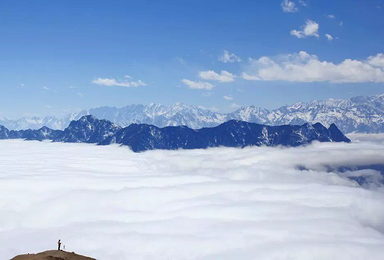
(58, 245)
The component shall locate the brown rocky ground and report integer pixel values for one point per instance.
(52, 255)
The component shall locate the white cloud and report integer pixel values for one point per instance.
(127, 76)
(240, 90)
(303, 67)
(46, 88)
(197, 84)
(209, 204)
(302, 3)
(329, 37)
(234, 105)
(341, 23)
(330, 16)
(80, 94)
(228, 98)
(224, 76)
(207, 94)
(227, 57)
(48, 106)
(110, 82)
(374, 138)
(213, 109)
(289, 6)
(311, 28)
(377, 61)
(246, 76)
(72, 87)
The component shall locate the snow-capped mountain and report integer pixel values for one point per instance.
(160, 115)
(358, 114)
(39, 122)
(142, 137)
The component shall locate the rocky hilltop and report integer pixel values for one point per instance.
(52, 255)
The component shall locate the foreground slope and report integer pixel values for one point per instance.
(52, 255)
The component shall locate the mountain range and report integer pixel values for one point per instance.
(364, 114)
(142, 137)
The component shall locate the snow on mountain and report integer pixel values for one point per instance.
(39, 122)
(357, 114)
(160, 115)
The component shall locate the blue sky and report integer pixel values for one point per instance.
(61, 56)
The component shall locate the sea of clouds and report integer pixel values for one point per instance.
(221, 203)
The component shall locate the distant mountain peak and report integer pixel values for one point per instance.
(357, 114)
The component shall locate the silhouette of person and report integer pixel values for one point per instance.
(58, 245)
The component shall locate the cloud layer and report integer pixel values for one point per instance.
(303, 67)
(110, 203)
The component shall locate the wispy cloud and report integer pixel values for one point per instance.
(246, 76)
(303, 67)
(289, 6)
(329, 37)
(302, 3)
(197, 84)
(213, 109)
(234, 105)
(46, 88)
(228, 98)
(311, 28)
(110, 82)
(224, 76)
(228, 57)
(207, 94)
(330, 16)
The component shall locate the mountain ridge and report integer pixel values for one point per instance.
(143, 137)
(363, 114)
